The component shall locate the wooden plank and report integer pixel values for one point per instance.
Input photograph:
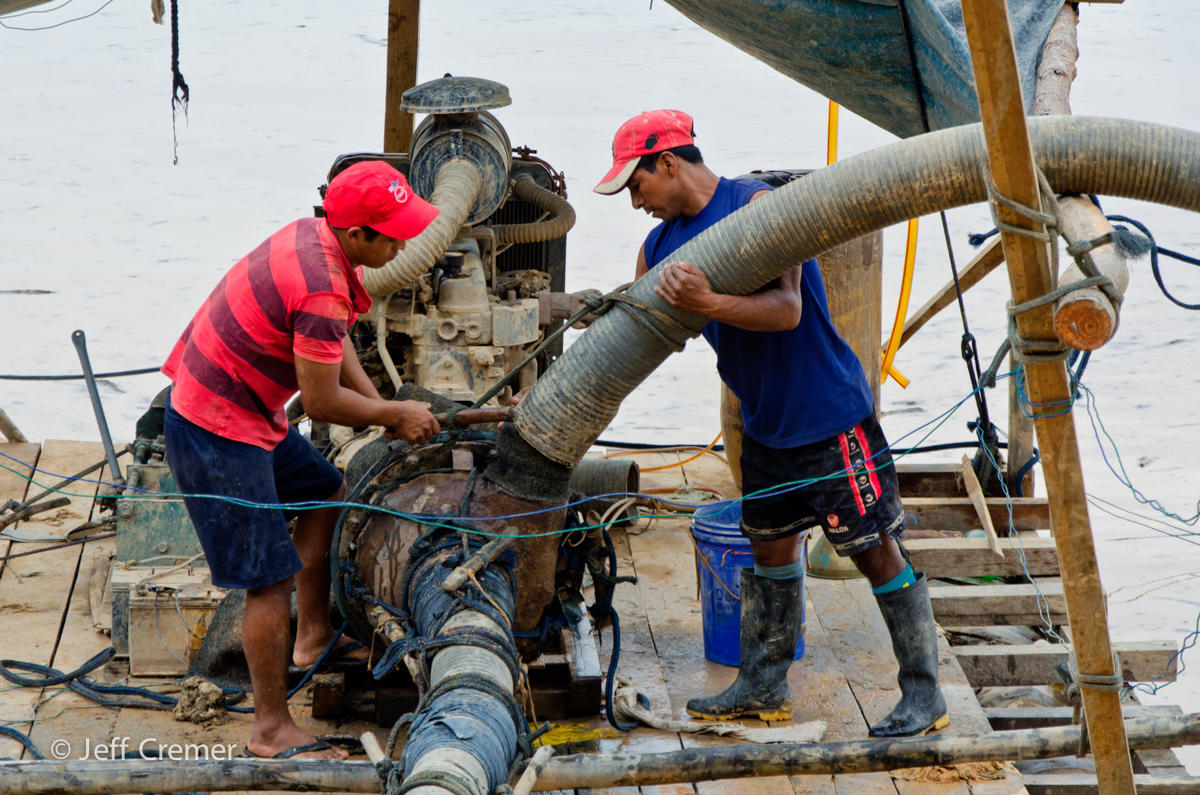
(925, 479)
(820, 691)
(973, 557)
(959, 513)
(1012, 175)
(585, 686)
(667, 583)
(639, 661)
(19, 459)
(988, 666)
(1004, 605)
(859, 639)
(1007, 718)
(1086, 784)
(983, 263)
(35, 590)
(975, 495)
(70, 716)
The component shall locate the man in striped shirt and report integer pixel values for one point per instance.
(278, 322)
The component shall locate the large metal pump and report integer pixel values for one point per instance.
(467, 301)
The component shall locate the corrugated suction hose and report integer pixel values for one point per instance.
(454, 192)
(577, 398)
(562, 215)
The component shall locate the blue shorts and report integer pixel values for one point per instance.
(245, 547)
(853, 496)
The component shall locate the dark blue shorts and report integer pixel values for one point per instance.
(245, 547)
(855, 497)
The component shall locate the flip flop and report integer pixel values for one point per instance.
(335, 660)
(288, 753)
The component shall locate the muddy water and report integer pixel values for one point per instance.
(127, 244)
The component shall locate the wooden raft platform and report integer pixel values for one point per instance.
(846, 678)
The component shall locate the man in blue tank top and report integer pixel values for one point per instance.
(813, 451)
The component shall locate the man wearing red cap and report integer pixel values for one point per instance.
(809, 419)
(279, 322)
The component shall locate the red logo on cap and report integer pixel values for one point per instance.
(832, 520)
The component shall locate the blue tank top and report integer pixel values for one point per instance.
(796, 387)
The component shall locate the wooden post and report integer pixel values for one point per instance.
(1085, 319)
(9, 429)
(403, 26)
(1010, 159)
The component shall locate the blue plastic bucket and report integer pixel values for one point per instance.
(721, 553)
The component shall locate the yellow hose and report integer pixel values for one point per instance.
(831, 153)
(831, 137)
(910, 257)
(711, 445)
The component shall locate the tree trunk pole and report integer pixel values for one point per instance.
(403, 28)
(585, 770)
(1010, 160)
(1086, 319)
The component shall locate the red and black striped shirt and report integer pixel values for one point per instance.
(234, 368)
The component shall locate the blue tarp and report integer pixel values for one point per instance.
(857, 52)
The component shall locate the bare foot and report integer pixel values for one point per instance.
(307, 654)
(291, 737)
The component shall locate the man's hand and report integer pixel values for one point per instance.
(410, 420)
(684, 286)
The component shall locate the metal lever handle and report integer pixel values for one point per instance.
(80, 340)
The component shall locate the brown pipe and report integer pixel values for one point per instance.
(474, 416)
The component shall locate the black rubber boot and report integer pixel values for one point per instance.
(909, 618)
(770, 628)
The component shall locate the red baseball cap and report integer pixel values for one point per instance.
(644, 134)
(374, 194)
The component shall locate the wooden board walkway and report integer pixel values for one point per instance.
(846, 678)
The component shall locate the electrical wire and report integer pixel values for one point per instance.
(80, 376)
(106, 4)
(147, 495)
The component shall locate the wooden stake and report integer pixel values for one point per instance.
(403, 29)
(10, 431)
(975, 494)
(1010, 159)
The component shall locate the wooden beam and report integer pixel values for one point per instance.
(403, 37)
(983, 263)
(998, 666)
(922, 479)
(958, 513)
(973, 557)
(1002, 605)
(1085, 319)
(1086, 784)
(1010, 164)
(1009, 718)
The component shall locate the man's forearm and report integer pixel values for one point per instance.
(766, 311)
(352, 375)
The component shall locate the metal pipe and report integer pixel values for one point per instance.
(80, 340)
(477, 562)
